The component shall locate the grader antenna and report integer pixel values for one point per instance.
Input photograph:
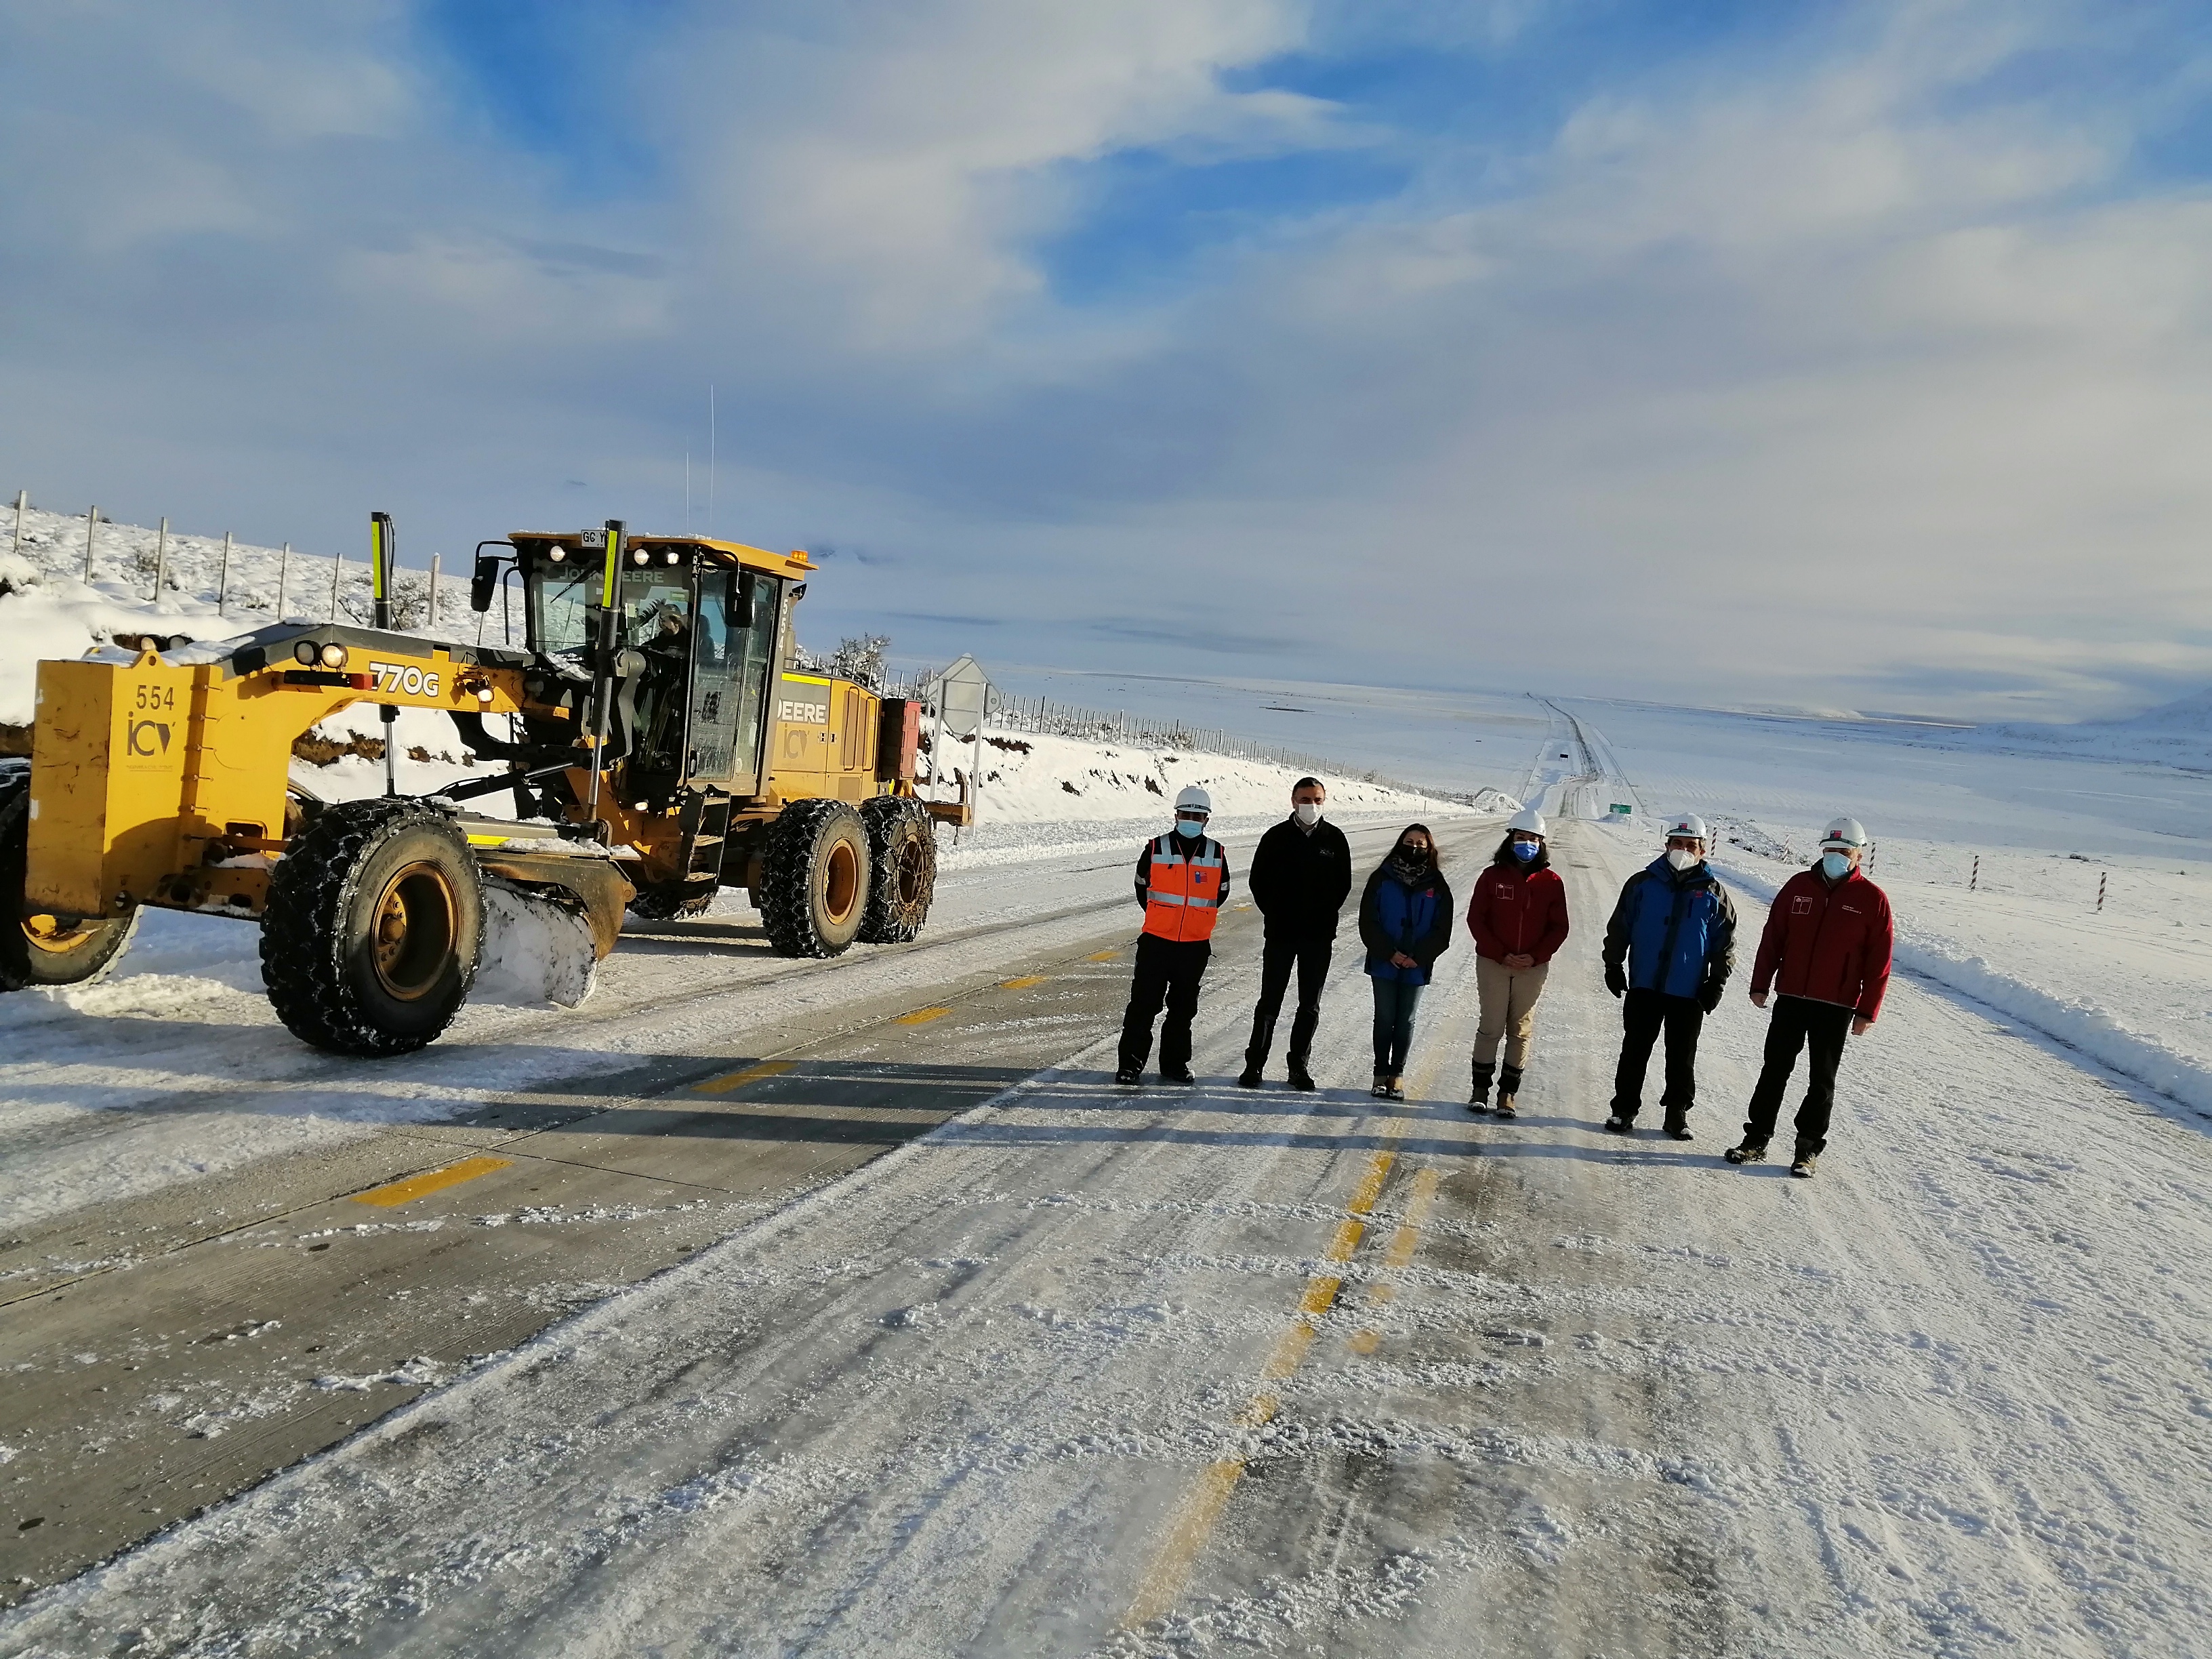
(383, 549)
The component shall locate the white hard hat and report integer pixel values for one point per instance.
(1528, 820)
(1689, 824)
(1844, 832)
(1191, 795)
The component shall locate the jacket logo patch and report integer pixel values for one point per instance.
(1801, 905)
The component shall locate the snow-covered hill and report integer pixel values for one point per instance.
(2177, 734)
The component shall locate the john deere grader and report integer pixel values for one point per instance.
(662, 744)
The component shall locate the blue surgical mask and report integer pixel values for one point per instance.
(1190, 829)
(1835, 866)
(1526, 850)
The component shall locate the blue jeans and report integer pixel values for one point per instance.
(1395, 1002)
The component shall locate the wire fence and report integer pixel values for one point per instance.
(1044, 716)
(250, 585)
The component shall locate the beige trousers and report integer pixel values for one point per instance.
(1509, 1010)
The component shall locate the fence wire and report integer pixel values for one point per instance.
(1043, 716)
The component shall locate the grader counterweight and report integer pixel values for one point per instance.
(663, 743)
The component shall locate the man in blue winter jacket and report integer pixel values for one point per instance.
(1669, 951)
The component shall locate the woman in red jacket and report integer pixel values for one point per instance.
(1518, 916)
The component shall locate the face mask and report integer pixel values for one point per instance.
(1190, 829)
(1835, 866)
(1307, 813)
(1681, 857)
(1525, 850)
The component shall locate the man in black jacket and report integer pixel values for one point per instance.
(1300, 878)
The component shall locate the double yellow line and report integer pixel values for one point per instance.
(1194, 1523)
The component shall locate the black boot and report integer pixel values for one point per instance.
(1750, 1152)
(1802, 1166)
(1478, 1101)
(1301, 1078)
(1508, 1087)
(1678, 1123)
(1255, 1051)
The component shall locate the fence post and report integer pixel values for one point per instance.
(22, 502)
(91, 518)
(435, 559)
(2100, 892)
(161, 559)
(1975, 880)
(337, 565)
(284, 576)
(223, 582)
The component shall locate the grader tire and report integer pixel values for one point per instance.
(814, 878)
(38, 951)
(902, 857)
(374, 928)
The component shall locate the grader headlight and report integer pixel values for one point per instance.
(304, 653)
(334, 656)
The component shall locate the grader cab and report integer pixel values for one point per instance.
(661, 744)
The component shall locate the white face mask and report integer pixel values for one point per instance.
(1681, 857)
(1307, 813)
(1190, 829)
(1835, 866)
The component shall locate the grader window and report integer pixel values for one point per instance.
(561, 608)
(657, 615)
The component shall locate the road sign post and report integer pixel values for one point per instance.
(963, 690)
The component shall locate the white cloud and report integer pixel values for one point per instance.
(894, 168)
(1843, 371)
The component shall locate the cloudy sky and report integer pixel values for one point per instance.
(1842, 355)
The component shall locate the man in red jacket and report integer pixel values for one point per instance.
(1826, 950)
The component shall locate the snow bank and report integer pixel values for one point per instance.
(1042, 794)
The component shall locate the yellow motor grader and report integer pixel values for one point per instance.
(661, 742)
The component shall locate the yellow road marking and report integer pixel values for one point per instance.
(1403, 1243)
(430, 1181)
(1023, 983)
(921, 1017)
(1103, 956)
(723, 1085)
(1208, 1498)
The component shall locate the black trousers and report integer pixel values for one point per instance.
(1797, 1022)
(1167, 972)
(1643, 1015)
(1277, 958)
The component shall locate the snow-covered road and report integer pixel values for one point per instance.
(1079, 1371)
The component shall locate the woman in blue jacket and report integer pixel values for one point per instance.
(1406, 923)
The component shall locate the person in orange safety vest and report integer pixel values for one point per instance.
(1182, 882)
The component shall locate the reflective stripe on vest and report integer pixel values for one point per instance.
(1183, 896)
